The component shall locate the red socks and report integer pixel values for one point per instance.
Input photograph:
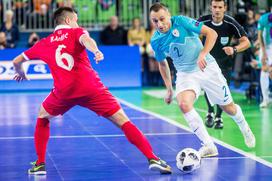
(133, 134)
(136, 137)
(41, 137)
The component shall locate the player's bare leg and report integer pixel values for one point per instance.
(237, 115)
(136, 137)
(186, 101)
(41, 137)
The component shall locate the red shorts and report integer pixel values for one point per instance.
(103, 103)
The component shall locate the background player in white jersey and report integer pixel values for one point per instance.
(265, 39)
(178, 38)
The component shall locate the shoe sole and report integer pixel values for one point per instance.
(162, 170)
(210, 155)
(37, 173)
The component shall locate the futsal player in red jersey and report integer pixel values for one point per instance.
(76, 83)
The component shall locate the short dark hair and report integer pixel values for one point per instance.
(61, 13)
(157, 6)
(225, 1)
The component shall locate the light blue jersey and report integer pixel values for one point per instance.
(181, 43)
(265, 25)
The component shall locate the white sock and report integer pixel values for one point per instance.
(264, 80)
(240, 119)
(196, 124)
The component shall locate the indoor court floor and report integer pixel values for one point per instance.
(83, 146)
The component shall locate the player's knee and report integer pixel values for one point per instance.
(119, 118)
(185, 106)
(43, 113)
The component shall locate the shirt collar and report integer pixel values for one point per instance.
(217, 24)
(62, 27)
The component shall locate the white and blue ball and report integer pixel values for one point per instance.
(188, 160)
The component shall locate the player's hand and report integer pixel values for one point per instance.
(98, 56)
(201, 62)
(228, 50)
(169, 96)
(253, 64)
(20, 77)
(265, 68)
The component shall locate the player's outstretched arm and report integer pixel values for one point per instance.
(166, 76)
(20, 73)
(90, 44)
(211, 37)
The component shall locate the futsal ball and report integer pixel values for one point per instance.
(188, 160)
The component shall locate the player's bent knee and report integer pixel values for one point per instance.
(185, 106)
(119, 118)
(43, 113)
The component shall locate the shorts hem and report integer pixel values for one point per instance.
(197, 94)
(112, 112)
(49, 112)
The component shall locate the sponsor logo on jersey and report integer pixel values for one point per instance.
(224, 40)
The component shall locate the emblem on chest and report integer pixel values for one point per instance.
(175, 32)
(224, 40)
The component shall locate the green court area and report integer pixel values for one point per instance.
(260, 121)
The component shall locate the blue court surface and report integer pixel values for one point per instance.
(84, 146)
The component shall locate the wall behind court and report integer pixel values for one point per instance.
(120, 68)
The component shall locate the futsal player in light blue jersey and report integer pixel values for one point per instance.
(265, 39)
(177, 37)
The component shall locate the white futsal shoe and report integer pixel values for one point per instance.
(208, 150)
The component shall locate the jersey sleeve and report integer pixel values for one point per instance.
(238, 29)
(79, 32)
(34, 52)
(190, 24)
(159, 55)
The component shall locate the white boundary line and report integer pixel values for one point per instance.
(253, 157)
(90, 136)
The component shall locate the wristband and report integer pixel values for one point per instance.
(234, 50)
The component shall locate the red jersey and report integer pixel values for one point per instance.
(68, 62)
